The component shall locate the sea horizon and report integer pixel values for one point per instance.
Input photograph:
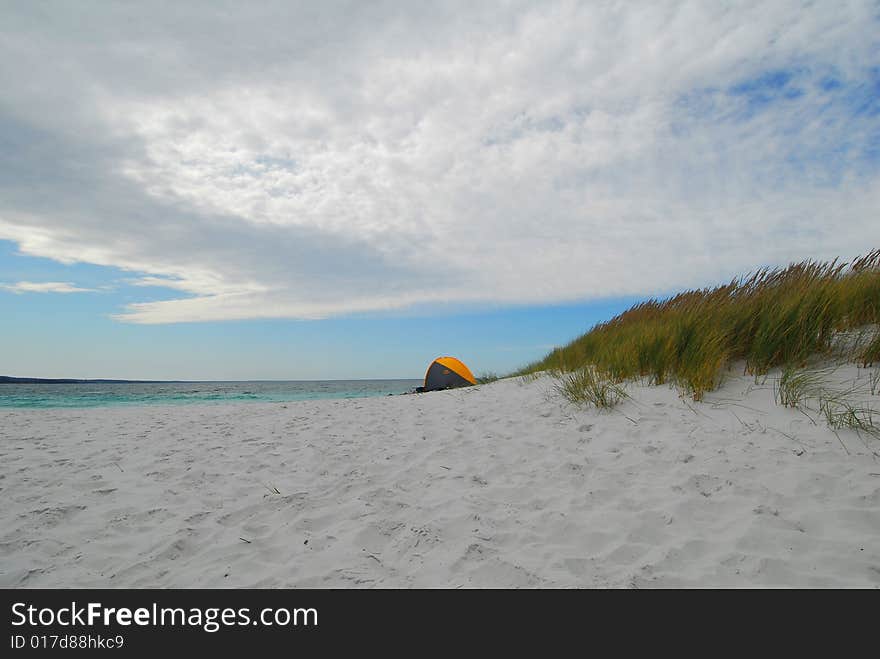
(112, 393)
(15, 379)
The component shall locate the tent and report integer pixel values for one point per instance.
(447, 373)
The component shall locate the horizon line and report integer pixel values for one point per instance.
(10, 379)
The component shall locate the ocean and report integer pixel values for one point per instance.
(101, 394)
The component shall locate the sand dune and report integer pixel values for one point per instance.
(499, 485)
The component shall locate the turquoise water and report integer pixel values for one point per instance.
(100, 394)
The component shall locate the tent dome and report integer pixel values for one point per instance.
(448, 373)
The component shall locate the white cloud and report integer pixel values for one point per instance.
(373, 159)
(45, 287)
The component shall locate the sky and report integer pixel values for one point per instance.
(304, 190)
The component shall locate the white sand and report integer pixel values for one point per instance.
(499, 485)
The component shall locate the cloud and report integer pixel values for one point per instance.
(45, 287)
(374, 158)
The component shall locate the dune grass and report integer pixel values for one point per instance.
(874, 380)
(844, 405)
(842, 413)
(770, 318)
(796, 386)
(589, 386)
(871, 353)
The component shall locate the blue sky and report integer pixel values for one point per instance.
(380, 183)
(64, 335)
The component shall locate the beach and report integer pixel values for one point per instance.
(498, 485)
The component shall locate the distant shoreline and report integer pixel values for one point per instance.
(43, 393)
(7, 379)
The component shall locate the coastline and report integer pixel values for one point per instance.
(95, 394)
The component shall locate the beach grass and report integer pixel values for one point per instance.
(841, 413)
(771, 318)
(849, 406)
(589, 386)
(871, 353)
(796, 386)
